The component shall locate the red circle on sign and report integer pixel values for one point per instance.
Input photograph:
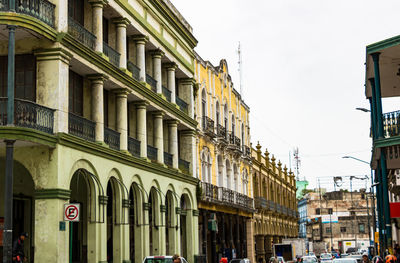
(69, 215)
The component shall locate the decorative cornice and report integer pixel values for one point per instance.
(53, 54)
(140, 38)
(121, 21)
(53, 193)
(157, 53)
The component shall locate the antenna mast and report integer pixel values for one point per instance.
(239, 51)
(297, 162)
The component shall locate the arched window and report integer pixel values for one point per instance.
(203, 107)
(204, 169)
(233, 125)
(206, 163)
(209, 169)
(217, 114)
(245, 181)
(243, 134)
(226, 117)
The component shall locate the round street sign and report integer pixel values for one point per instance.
(71, 212)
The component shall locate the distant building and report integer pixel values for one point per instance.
(300, 185)
(302, 208)
(339, 218)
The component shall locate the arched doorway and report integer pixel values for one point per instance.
(170, 221)
(186, 228)
(23, 205)
(136, 222)
(114, 220)
(154, 224)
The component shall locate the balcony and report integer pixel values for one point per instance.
(168, 159)
(40, 9)
(29, 115)
(112, 54)
(224, 196)
(183, 106)
(391, 124)
(135, 70)
(272, 205)
(208, 126)
(81, 34)
(111, 138)
(184, 166)
(167, 93)
(152, 82)
(81, 127)
(221, 131)
(246, 151)
(134, 146)
(261, 203)
(152, 153)
(234, 142)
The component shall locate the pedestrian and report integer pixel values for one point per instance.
(176, 258)
(365, 258)
(18, 254)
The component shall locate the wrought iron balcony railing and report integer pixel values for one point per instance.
(40, 9)
(182, 104)
(168, 159)
(221, 195)
(28, 114)
(167, 93)
(81, 127)
(112, 54)
(152, 153)
(221, 131)
(134, 146)
(81, 34)
(272, 205)
(246, 151)
(184, 166)
(111, 138)
(261, 203)
(208, 125)
(135, 70)
(152, 82)
(391, 124)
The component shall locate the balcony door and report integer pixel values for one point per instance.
(25, 77)
(76, 10)
(75, 94)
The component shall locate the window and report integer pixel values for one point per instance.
(217, 113)
(25, 77)
(75, 93)
(328, 230)
(342, 229)
(317, 211)
(243, 134)
(105, 30)
(105, 105)
(361, 228)
(75, 10)
(330, 211)
(233, 125)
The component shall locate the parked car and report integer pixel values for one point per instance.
(325, 258)
(240, 260)
(344, 260)
(161, 259)
(357, 257)
(280, 259)
(309, 259)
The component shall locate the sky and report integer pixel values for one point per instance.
(302, 72)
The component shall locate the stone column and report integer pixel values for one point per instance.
(157, 55)
(121, 24)
(158, 135)
(171, 67)
(97, 82)
(97, 23)
(188, 149)
(141, 41)
(52, 84)
(50, 247)
(268, 246)
(141, 132)
(186, 91)
(260, 252)
(122, 118)
(173, 142)
(61, 15)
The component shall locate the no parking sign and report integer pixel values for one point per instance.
(71, 212)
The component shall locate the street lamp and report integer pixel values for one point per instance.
(363, 109)
(371, 190)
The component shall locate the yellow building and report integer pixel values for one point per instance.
(224, 163)
(274, 190)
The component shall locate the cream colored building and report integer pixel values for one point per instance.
(104, 117)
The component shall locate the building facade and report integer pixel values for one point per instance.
(224, 165)
(303, 216)
(381, 81)
(274, 190)
(339, 220)
(104, 118)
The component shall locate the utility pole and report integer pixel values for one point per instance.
(8, 195)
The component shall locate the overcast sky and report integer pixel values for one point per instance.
(303, 73)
